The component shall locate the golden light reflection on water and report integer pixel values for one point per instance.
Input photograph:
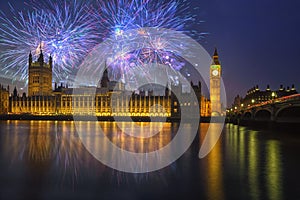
(44, 144)
(253, 158)
(114, 131)
(241, 148)
(255, 161)
(254, 168)
(274, 171)
(214, 177)
(39, 142)
(99, 137)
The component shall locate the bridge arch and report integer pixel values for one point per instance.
(263, 114)
(288, 113)
(247, 115)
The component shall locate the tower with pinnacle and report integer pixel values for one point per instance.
(215, 85)
(39, 76)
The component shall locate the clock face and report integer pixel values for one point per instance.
(215, 72)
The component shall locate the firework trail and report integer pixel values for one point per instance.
(64, 30)
(67, 30)
(116, 19)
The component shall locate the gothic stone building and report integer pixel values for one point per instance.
(43, 100)
(4, 96)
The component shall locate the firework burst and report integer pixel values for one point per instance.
(63, 30)
(67, 30)
(125, 20)
(116, 17)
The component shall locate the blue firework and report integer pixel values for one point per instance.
(117, 19)
(62, 29)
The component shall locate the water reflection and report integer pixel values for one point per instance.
(274, 171)
(49, 156)
(115, 133)
(214, 163)
(246, 162)
(39, 143)
(254, 168)
(126, 152)
(256, 158)
(45, 147)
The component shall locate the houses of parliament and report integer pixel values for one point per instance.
(45, 99)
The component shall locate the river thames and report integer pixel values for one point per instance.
(47, 160)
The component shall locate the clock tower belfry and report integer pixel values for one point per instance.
(215, 85)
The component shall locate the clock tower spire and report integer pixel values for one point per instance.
(216, 58)
(215, 85)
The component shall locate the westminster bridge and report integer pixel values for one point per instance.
(281, 110)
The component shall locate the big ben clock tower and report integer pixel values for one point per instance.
(215, 85)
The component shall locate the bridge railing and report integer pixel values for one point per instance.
(277, 100)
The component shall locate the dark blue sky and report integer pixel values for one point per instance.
(258, 40)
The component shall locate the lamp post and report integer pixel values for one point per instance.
(273, 97)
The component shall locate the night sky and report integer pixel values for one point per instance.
(258, 40)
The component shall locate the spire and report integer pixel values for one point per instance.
(167, 91)
(15, 93)
(216, 58)
(216, 52)
(41, 58)
(50, 61)
(293, 87)
(30, 58)
(41, 50)
(281, 88)
(257, 88)
(105, 79)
